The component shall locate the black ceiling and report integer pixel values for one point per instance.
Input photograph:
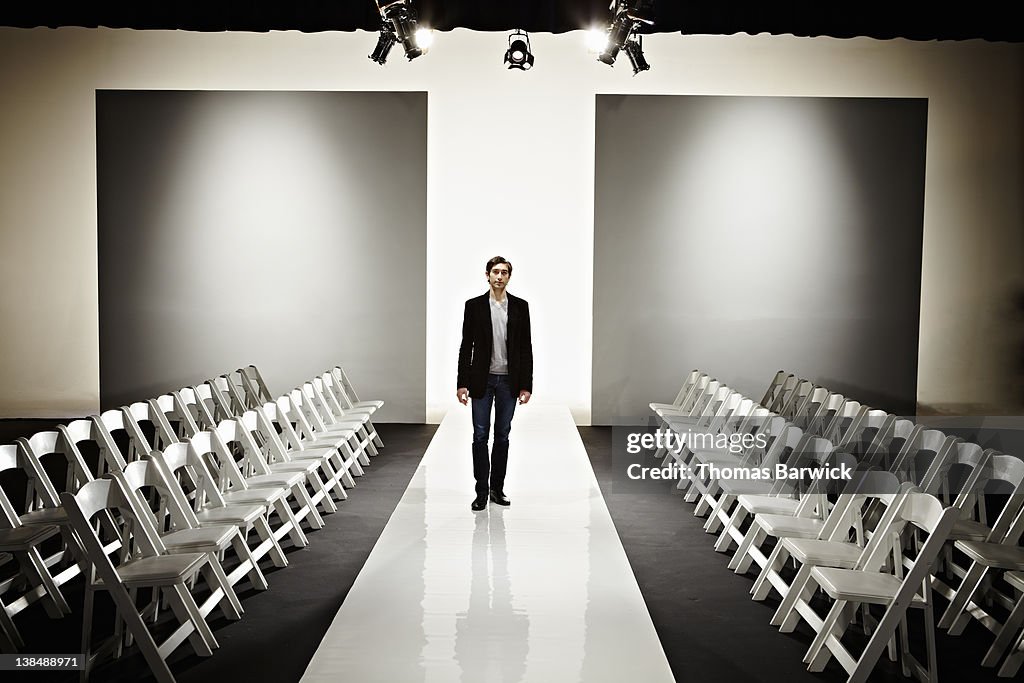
(841, 19)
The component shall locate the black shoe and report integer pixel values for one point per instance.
(479, 503)
(500, 498)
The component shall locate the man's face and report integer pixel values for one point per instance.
(499, 276)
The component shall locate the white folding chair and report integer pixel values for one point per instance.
(284, 443)
(243, 465)
(32, 581)
(206, 507)
(851, 588)
(169, 575)
(179, 531)
(232, 488)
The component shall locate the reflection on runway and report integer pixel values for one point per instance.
(540, 591)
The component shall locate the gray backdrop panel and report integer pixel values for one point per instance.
(743, 235)
(285, 229)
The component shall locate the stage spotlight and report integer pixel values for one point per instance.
(597, 40)
(628, 16)
(385, 42)
(519, 55)
(400, 26)
(634, 49)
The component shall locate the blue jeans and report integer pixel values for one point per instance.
(490, 472)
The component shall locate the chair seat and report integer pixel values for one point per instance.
(285, 478)
(209, 539)
(819, 553)
(661, 407)
(755, 488)
(260, 496)
(720, 458)
(787, 526)
(349, 421)
(850, 584)
(305, 466)
(360, 409)
(25, 538)
(767, 505)
(318, 453)
(994, 554)
(163, 570)
(1015, 579)
(375, 404)
(239, 515)
(45, 516)
(969, 530)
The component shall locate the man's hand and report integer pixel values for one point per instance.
(463, 394)
(524, 397)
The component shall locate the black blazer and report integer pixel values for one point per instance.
(478, 337)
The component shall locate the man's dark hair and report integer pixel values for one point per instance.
(495, 261)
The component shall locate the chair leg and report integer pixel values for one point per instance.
(186, 609)
(54, 602)
(249, 563)
(763, 585)
(725, 538)
(818, 654)
(266, 535)
(786, 616)
(1005, 636)
(956, 617)
(216, 579)
(1012, 664)
(10, 638)
(288, 518)
(307, 504)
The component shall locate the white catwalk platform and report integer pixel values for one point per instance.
(539, 591)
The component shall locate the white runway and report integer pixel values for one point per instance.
(540, 591)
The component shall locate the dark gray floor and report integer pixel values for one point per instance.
(282, 626)
(709, 628)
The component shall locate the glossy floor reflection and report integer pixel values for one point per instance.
(540, 591)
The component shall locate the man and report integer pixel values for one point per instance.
(495, 368)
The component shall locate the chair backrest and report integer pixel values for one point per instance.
(255, 377)
(173, 501)
(774, 387)
(908, 462)
(797, 400)
(784, 394)
(303, 413)
(207, 405)
(821, 420)
(210, 449)
(848, 421)
(686, 406)
(999, 473)
(49, 446)
(182, 466)
(318, 402)
(88, 436)
(928, 515)
(239, 402)
(9, 517)
(684, 389)
(227, 406)
(958, 472)
(107, 495)
(175, 413)
(239, 438)
(346, 385)
(813, 406)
